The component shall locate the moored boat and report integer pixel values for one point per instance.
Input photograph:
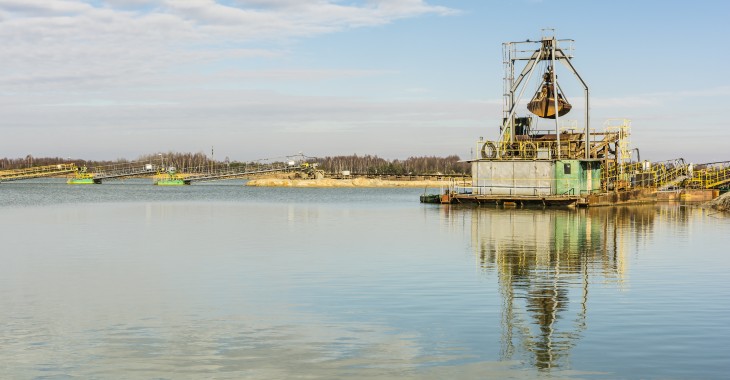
(81, 177)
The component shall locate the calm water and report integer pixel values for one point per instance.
(129, 280)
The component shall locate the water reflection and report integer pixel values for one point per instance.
(545, 262)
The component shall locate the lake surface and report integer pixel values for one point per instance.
(129, 280)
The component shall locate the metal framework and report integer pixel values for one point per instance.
(665, 175)
(36, 172)
(547, 49)
(711, 175)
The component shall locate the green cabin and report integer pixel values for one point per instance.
(577, 177)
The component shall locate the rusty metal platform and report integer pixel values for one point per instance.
(517, 200)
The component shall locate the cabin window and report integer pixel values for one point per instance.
(566, 168)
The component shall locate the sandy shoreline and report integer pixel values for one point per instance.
(721, 203)
(357, 182)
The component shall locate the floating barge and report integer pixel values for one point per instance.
(81, 180)
(563, 163)
(81, 177)
(170, 178)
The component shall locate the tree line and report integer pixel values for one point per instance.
(355, 164)
(176, 159)
(374, 165)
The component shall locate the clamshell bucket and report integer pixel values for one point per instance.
(543, 103)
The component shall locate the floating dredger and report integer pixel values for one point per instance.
(564, 162)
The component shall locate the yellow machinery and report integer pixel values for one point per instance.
(518, 138)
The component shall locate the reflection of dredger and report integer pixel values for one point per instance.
(543, 261)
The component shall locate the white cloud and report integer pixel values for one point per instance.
(698, 93)
(658, 99)
(69, 43)
(41, 8)
(638, 101)
(294, 74)
(246, 124)
(140, 75)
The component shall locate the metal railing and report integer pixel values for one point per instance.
(129, 169)
(36, 172)
(529, 150)
(569, 144)
(572, 147)
(660, 175)
(710, 176)
(201, 174)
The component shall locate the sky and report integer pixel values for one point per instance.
(254, 79)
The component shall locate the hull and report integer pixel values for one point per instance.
(431, 198)
(80, 181)
(170, 182)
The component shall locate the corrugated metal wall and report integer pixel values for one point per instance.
(571, 177)
(513, 177)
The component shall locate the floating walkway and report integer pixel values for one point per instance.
(37, 172)
(133, 169)
(161, 175)
(238, 172)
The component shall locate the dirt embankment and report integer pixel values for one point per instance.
(356, 182)
(721, 203)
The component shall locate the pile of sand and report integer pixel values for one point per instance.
(721, 203)
(357, 182)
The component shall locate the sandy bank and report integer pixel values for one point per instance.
(721, 203)
(357, 182)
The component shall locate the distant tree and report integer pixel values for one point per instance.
(371, 165)
(356, 164)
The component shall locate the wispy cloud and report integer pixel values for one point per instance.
(41, 8)
(146, 75)
(656, 99)
(637, 101)
(248, 124)
(142, 39)
(698, 93)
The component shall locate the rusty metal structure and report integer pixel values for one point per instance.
(541, 55)
(519, 138)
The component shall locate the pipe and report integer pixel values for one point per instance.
(555, 93)
(514, 108)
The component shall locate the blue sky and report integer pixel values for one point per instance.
(399, 78)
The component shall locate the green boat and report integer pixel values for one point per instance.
(172, 178)
(80, 181)
(431, 198)
(170, 182)
(81, 177)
